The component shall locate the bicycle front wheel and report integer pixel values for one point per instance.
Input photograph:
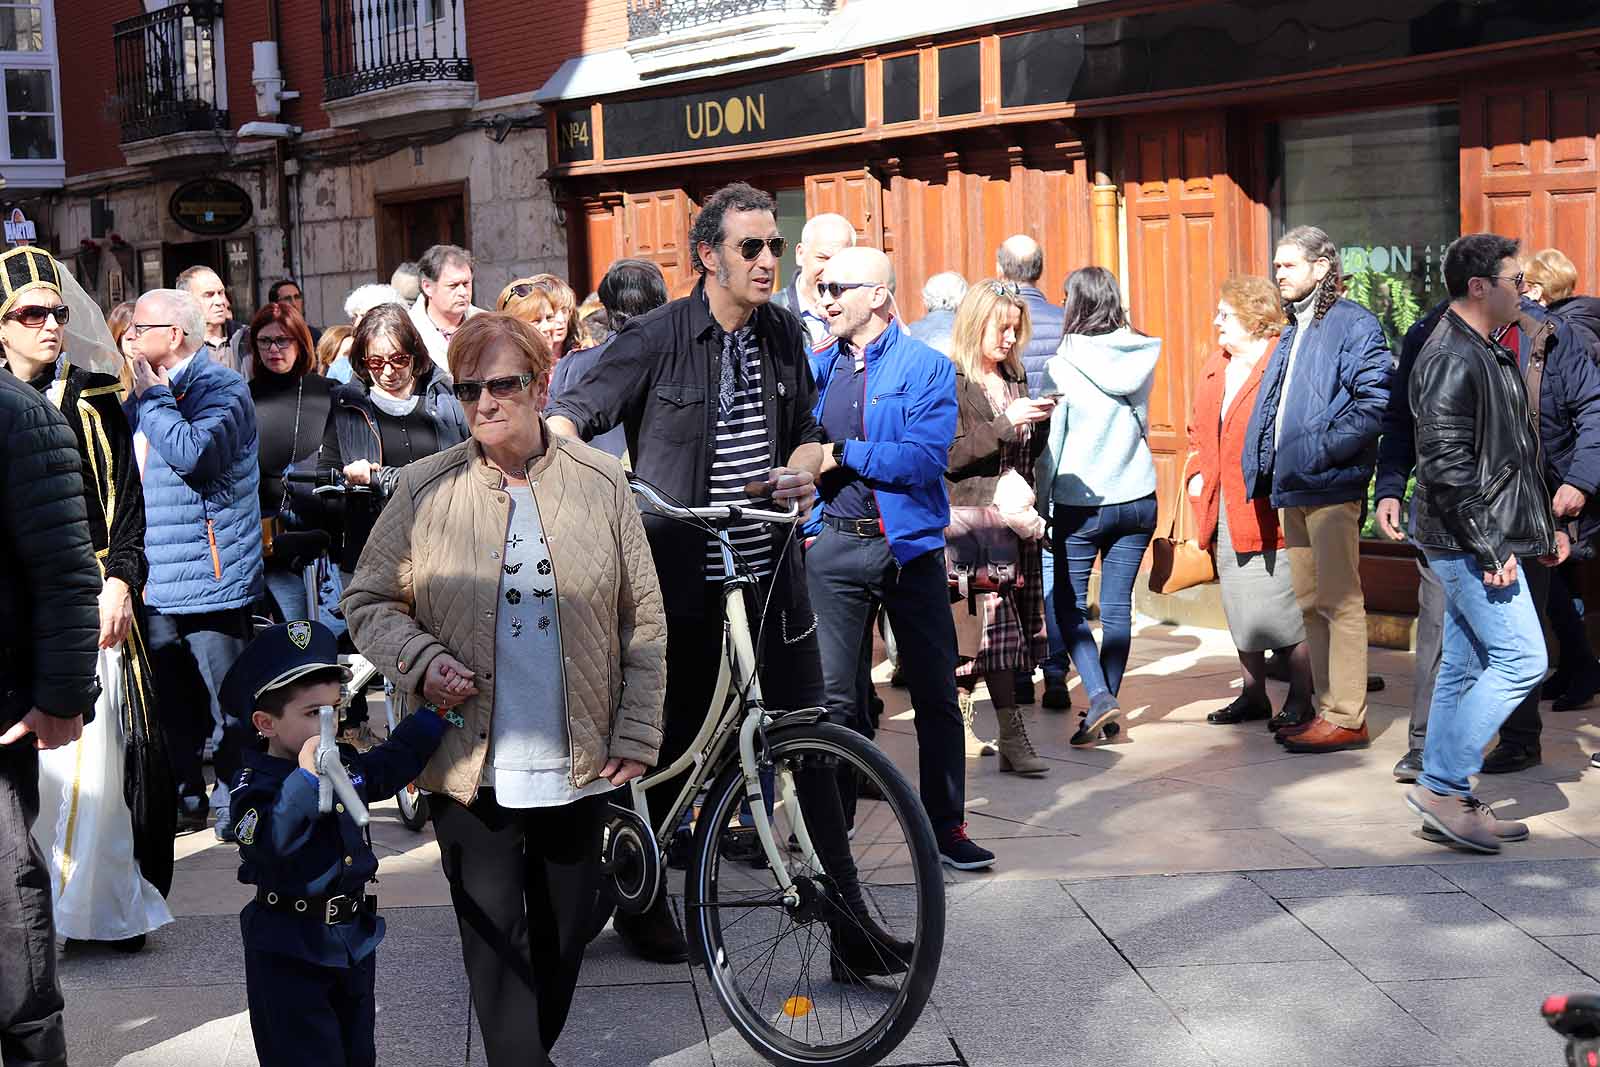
(837, 970)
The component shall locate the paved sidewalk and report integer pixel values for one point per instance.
(1187, 895)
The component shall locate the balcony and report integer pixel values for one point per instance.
(668, 35)
(170, 90)
(395, 63)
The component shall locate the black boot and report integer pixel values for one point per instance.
(653, 936)
(862, 948)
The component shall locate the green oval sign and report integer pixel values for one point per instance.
(210, 206)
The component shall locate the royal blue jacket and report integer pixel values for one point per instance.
(909, 422)
(1333, 413)
(201, 484)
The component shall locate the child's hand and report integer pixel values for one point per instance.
(308, 753)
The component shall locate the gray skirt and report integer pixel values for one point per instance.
(1257, 594)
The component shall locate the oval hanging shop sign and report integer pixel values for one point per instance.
(210, 206)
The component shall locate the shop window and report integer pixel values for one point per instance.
(1386, 186)
(791, 220)
(959, 89)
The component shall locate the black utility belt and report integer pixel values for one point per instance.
(855, 527)
(332, 910)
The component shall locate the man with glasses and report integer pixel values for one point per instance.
(1485, 503)
(888, 404)
(445, 273)
(288, 291)
(714, 391)
(195, 430)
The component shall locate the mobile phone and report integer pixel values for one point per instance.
(1053, 394)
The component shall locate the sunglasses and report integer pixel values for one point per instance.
(277, 343)
(468, 391)
(750, 247)
(835, 290)
(1005, 289)
(398, 361)
(520, 291)
(1518, 282)
(34, 316)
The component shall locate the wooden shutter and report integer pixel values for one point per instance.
(855, 194)
(1529, 168)
(658, 230)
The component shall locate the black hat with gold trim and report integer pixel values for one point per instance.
(279, 655)
(26, 267)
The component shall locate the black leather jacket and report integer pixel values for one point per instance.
(1480, 484)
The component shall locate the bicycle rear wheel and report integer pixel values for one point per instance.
(781, 967)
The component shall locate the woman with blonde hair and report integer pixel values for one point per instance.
(549, 305)
(335, 342)
(990, 483)
(1257, 593)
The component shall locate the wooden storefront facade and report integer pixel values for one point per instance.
(1147, 138)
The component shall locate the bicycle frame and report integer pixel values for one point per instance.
(736, 674)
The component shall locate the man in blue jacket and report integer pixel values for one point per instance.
(887, 403)
(1311, 445)
(202, 536)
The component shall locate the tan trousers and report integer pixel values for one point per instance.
(1324, 545)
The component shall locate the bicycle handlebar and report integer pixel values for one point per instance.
(723, 513)
(326, 480)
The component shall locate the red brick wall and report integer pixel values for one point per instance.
(89, 128)
(516, 45)
(300, 59)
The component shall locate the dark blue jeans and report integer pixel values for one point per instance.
(1118, 534)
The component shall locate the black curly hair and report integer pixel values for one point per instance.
(708, 228)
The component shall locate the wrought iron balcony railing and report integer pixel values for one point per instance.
(379, 44)
(651, 18)
(167, 77)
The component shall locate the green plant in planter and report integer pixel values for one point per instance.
(1389, 296)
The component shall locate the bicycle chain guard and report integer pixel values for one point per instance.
(630, 860)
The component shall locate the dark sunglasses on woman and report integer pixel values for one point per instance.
(33, 317)
(520, 291)
(468, 391)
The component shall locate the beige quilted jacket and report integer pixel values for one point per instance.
(429, 582)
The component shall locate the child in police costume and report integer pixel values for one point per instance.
(312, 931)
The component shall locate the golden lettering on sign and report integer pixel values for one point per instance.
(574, 133)
(712, 118)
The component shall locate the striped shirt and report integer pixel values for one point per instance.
(740, 456)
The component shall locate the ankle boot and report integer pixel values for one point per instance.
(653, 935)
(1016, 751)
(860, 948)
(976, 746)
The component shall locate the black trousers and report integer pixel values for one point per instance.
(190, 655)
(1524, 725)
(302, 1012)
(31, 1034)
(848, 574)
(523, 882)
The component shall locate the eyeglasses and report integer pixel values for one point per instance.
(468, 391)
(750, 247)
(34, 317)
(276, 343)
(1005, 289)
(1517, 280)
(399, 361)
(139, 329)
(835, 290)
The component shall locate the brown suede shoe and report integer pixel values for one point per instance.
(1324, 736)
(1457, 819)
(1504, 829)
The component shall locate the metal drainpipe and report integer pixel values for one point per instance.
(1103, 202)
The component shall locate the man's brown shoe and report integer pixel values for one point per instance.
(1294, 730)
(1324, 736)
(1455, 818)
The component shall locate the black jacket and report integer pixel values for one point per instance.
(655, 381)
(1479, 482)
(50, 584)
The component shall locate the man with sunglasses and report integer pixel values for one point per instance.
(822, 238)
(202, 536)
(1484, 504)
(713, 391)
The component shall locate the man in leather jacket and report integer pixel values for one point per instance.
(1483, 503)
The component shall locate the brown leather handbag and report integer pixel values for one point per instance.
(1177, 563)
(982, 554)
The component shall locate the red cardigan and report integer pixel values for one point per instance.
(1216, 448)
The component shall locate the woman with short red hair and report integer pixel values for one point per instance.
(293, 407)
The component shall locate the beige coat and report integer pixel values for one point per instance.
(429, 582)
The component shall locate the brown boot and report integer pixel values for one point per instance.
(976, 746)
(1457, 819)
(1324, 736)
(1016, 751)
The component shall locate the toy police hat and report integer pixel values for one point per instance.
(279, 655)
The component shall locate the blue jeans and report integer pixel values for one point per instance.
(1118, 534)
(1055, 661)
(288, 589)
(1493, 656)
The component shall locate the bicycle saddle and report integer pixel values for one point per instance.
(299, 548)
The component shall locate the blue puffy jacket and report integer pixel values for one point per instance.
(1333, 412)
(1045, 322)
(909, 424)
(201, 480)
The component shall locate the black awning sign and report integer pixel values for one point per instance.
(801, 105)
(210, 206)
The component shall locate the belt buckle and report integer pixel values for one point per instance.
(331, 914)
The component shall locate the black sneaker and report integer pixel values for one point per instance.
(958, 850)
(1506, 758)
(1580, 691)
(860, 948)
(1409, 767)
(1057, 697)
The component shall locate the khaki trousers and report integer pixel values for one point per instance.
(1324, 546)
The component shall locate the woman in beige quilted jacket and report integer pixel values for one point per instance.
(509, 577)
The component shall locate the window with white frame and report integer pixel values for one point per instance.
(30, 137)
